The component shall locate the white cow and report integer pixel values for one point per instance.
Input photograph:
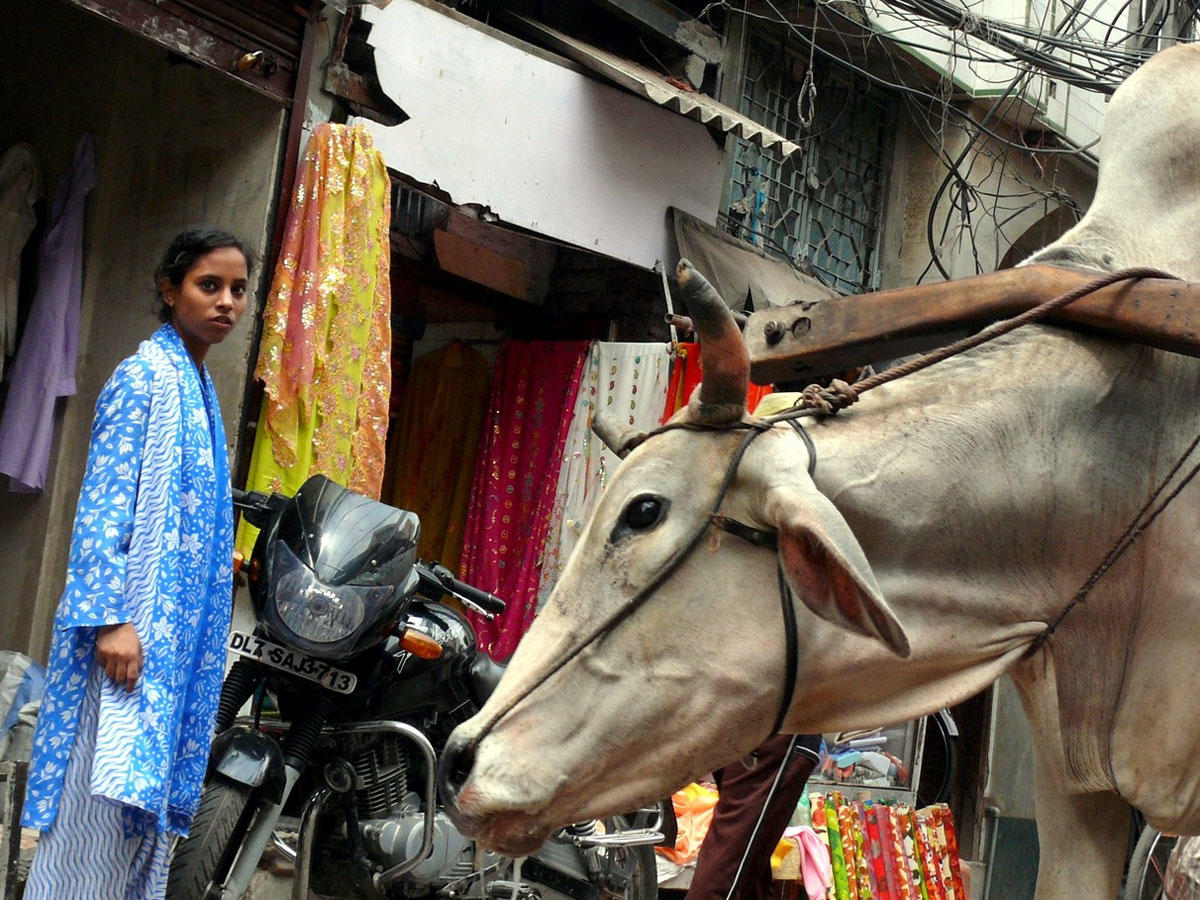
(952, 515)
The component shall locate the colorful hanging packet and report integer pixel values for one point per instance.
(862, 862)
(899, 875)
(876, 856)
(936, 835)
(927, 855)
(849, 836)
(911, 855)
(816, 803)
(841, 881)
(947, 834)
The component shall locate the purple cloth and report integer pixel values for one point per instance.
(44, 368)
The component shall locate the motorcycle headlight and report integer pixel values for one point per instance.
(316, 611)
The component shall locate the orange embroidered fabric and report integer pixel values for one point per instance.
(435, 443)
(325, 354)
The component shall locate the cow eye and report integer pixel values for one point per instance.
(641, 514)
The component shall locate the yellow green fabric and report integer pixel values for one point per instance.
(325, 353)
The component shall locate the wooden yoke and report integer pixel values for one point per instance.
(807, 340)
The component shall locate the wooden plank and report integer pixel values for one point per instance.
(480, 264)
(215, 40)
(809, 340)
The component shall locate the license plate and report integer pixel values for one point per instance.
(279, 657)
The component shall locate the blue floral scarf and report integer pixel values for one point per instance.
(152, 545)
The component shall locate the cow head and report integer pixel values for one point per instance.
(662, 625)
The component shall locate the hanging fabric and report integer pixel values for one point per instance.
(435, 443)
(628, 380)
(686, 374)
(324, 359)
(44, 368)
(533, 393)
(20, 189)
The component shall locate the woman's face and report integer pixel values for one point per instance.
(208, 303)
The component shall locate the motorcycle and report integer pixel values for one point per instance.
(356, 673)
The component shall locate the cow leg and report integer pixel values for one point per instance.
(1083, 839)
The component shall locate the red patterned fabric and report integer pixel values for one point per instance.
(512, 497)
(898, 870)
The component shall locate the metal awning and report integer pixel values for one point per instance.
(744, 276)
(637, 78)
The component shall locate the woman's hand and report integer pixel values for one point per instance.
(119, 653)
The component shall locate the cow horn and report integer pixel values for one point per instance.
(616, 435)
(723, 355)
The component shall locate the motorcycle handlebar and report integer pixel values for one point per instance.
(257, 507)
(482, 601)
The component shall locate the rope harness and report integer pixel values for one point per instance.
(839, 395)
(816, 400)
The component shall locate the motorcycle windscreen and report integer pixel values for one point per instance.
(339, 566)
(345, 537)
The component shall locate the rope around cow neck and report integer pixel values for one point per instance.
(827, 401)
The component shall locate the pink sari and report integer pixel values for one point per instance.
(512, 498)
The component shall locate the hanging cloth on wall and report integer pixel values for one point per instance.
(435, 443)
(533, 392)
(324, 359)
(625, 379)
(44, 368)
(686, 374)
(20, 189)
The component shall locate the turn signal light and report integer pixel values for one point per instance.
(420, 645)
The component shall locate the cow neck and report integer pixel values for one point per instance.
(760, 537)
(1136, 528)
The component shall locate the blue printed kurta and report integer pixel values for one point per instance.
(152, 545)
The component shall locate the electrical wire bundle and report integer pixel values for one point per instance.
(1085, 46)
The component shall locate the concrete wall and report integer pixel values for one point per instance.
(1016, 195)
(175, 145)
(544, 146)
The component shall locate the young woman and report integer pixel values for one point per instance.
(137, 655)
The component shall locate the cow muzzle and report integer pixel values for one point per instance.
(453, 773)
(503, 829)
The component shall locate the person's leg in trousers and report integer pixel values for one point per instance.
(784, 763)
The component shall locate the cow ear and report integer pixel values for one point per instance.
(616, 435)
(826, 566)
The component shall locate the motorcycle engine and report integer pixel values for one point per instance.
(397, 838)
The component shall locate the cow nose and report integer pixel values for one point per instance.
(454, 768)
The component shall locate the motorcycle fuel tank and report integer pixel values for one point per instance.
(442, 683)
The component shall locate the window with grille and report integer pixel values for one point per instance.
(821, 207)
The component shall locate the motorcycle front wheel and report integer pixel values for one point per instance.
(207, 850)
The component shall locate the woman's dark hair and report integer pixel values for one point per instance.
(187, 247)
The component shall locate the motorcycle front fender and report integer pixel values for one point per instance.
(246, 756)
